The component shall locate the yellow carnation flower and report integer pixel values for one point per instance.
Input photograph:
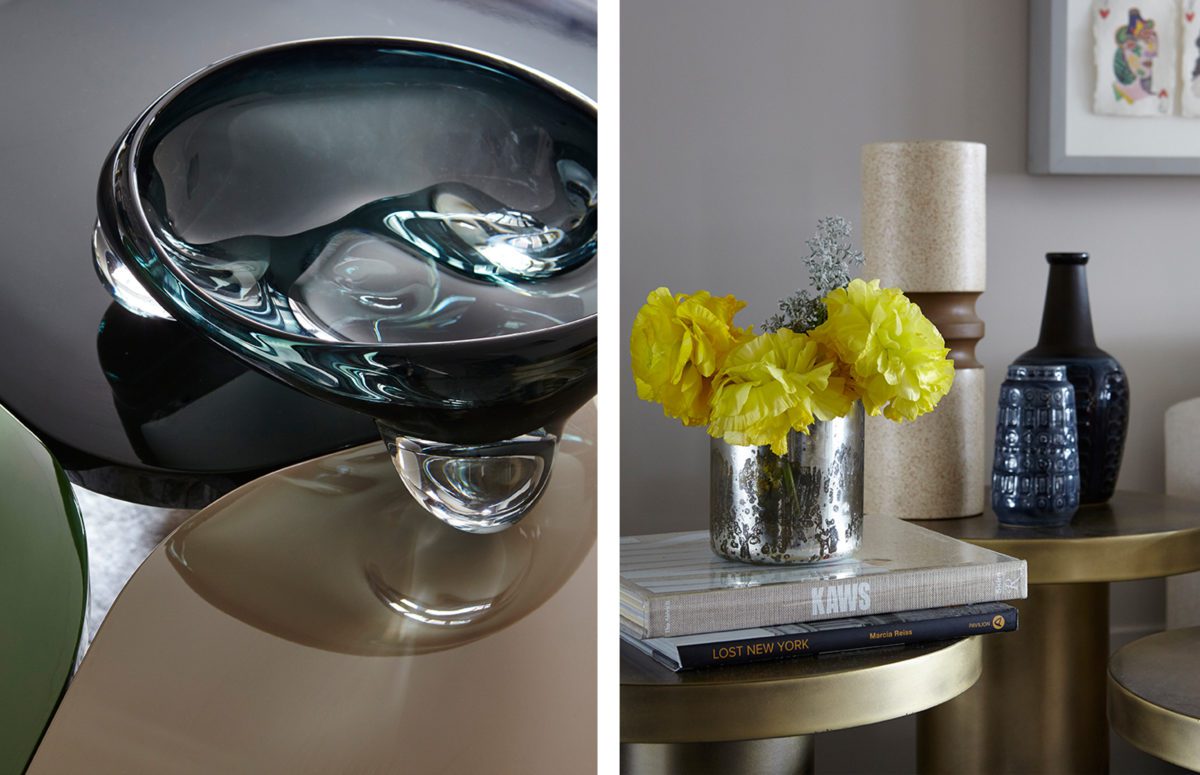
(897, 357)
(678, 343)
(772, 384)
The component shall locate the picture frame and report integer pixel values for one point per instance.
(1065, 136)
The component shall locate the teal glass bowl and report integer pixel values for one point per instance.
(402, 227)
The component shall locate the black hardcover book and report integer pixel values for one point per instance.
(735, 647)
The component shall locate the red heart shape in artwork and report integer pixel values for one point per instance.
(1162, 93)
(1190, 15)
(1103, 13)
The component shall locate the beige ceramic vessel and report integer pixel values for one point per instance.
(924, 212)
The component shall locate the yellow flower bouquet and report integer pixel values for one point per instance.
(875, 346)
(854, 343)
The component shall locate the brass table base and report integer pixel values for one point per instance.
(1039, 704)
(777, 755)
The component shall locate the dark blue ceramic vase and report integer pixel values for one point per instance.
(1035, 474)
(1101, 387)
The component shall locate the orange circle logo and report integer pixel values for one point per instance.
(998, 622)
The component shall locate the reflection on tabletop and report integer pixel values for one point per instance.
(309, 622)
(336, 554)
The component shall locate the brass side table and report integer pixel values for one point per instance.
(1154, 695)
(760, 718)
(1039, 706)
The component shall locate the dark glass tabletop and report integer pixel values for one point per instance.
(141, 410)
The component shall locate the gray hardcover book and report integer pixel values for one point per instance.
(672, 584)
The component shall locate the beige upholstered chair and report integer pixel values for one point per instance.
(1183, 479)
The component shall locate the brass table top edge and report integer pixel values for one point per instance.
(767, 707)
(1093, 559)
(1102, 559)
(1167, 734)
(929, 649)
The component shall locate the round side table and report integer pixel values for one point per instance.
(1154, 695)
(318, 620)
(1039, 706)
(761, 717)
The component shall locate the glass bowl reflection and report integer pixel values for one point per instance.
(336, 555)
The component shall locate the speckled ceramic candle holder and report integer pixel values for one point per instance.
(924, 216)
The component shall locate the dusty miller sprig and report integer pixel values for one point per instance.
(830, 257)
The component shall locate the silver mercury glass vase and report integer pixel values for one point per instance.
(802, 507)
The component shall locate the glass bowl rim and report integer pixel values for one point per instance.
(134, 138)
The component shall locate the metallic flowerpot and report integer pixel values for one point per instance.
(1035, 473)
(803, 507)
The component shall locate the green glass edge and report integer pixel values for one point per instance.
(79, 537)
(10, 425)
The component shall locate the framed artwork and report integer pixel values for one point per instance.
(1114, 87)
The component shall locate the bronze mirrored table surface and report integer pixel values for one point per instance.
(760, 717)
(1050, 674)
(1154, 695)
(151, 413)
(319, 620)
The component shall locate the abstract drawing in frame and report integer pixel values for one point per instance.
(1106, 96)
(1134, 51)
(1189, 60)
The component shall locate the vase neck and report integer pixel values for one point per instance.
(1067, 315)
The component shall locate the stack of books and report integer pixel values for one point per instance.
(685, 607)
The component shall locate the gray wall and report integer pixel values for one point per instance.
(742, 124)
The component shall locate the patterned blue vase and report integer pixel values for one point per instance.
(1035, 474)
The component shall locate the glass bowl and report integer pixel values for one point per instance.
(402, 227)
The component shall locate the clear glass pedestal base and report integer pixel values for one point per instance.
(476, 488)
